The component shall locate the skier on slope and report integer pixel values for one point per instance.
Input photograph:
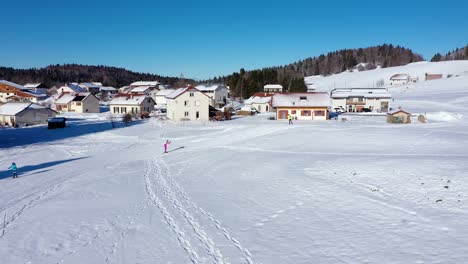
(165, 145)
(14, 170)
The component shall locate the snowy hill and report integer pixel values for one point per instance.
(250, 190)
(368, 79)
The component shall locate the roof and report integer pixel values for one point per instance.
(398, 111)
(210, 88)
(301, 100)
(32, 85)
(90, 84)
(74, 88)
(14, 108)
(65, 98)
(140, 89)
(12, 84)
(145, 83)
(258, 100)
(164, 92)
(263, 94)
(107, 88)
(273, 86)
(128, 99)
(400, 76)
(360, 92)
(181, 91)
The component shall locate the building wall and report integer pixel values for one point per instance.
(337, 103)
(399, 82)
(262, 108)
(160, 100)
(90, 105)
(176, 108)
(28, 117)
(375, 104)
(146, 106)
(297, 113)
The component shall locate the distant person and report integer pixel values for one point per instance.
(290, 119)
(14, 170)
(166, 145)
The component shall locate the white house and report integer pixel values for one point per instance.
(218, 94)
(188, 104)
(260, 102)
(109, 90)
(24, 113)
(399, 79)
(71, 88)
(37, 87)
(10, 91)
(273, 88)
(91, 87)
(77, 102)
(356, 99)
(160, 98)
(133, 104)
(302, 106)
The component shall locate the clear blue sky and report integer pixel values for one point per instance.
(203, 39)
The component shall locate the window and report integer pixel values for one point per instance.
(78, 103)
(302, 98)
(361, 99)
(116, 110)
(319, 113)
(305, 113)
(198, 115)
(185, 103)
(123, 110)
(192, 94)
(186, 114)
(293, 112)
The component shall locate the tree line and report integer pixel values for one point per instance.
(456, 54)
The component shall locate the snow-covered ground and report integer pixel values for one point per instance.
(250, 190)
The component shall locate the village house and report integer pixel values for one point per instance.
(77, 102)
(360, 99)
(188, 104)
(37, 87)
(10, 91)
(273, 88)
(399, 79)
(24, 114)
(261, 102)
(302, 106)
(91, 87)
(218, 94)
(107, 90)
(399, 116)
(160, 99)
(433, 76)
(133, 104)
(71, 88)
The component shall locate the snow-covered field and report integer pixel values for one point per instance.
(249, 190)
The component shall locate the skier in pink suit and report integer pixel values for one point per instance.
(165, 145)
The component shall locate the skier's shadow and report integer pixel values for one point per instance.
(169, 151)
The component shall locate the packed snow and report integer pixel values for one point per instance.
(249, 190)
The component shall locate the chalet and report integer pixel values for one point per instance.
(260, 102)
(399, 79)
(188, 104)
(160, 98)
(37, 87)
(361, 99)
(133, 104)
(399, 116)
(10, 91)
(433, 76)
(107, 90)
(71, 88)
(273, 88)
(302, 106)
(24, 114)
(77, 102)
(91, 87)
(218, 94)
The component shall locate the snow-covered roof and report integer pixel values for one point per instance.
(12, 84)
(74, 87)
(164, 92)
(13, 108)
(180, 91)
(90, 84)
(140, 89)
(107, 88)
(210, 88)
(66, 98)
(145, 83)
(301, 100)
(360, 92)
(400, 76)
(32, 85)
(128, 100)
(397, 111)
(273, 86)
(258, 100)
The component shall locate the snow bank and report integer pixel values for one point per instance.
(443, 117)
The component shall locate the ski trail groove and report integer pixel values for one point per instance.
(217, 223)
(207, 242)
(183, 241)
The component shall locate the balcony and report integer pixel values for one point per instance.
(351, 102)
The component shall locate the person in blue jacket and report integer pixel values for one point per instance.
(14, 170)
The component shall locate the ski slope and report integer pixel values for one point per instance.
(250, 190)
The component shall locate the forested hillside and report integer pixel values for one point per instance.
(456, 54)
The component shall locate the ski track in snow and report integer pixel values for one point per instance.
(217, 223)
